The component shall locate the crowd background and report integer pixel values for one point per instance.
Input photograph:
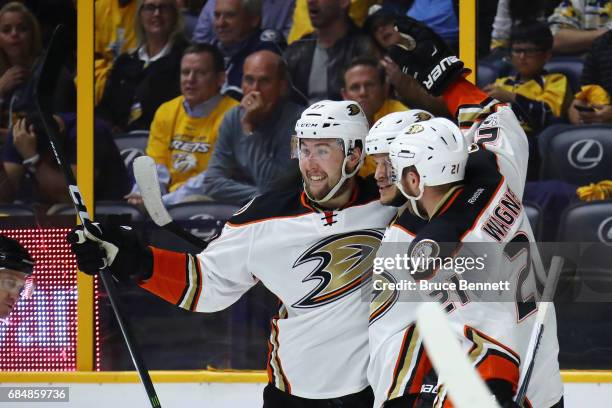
(212, 90)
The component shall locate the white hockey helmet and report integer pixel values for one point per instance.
(436, 148)
(343, 120)
(385, 129)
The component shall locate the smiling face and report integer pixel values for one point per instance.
(158, 17)
(387, 189)
(232, 23)
(11, 284)
(321, 165)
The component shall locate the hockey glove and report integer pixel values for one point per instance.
(117, 247)
(427, 58)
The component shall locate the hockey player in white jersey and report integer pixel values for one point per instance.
(479, 204)
(313, 247)
(380, 136)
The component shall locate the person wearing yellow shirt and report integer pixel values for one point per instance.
(539, 97)
(184, 130)
(364, 82)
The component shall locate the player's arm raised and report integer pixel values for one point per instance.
(205, 282)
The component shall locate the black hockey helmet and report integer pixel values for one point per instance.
(14, 256)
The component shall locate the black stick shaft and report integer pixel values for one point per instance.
(42, 98)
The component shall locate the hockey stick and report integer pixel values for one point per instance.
(45, 81)
(145, 173)
(466, 388)
(538, 328)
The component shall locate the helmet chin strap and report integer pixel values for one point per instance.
(414, 208)
(339, 184)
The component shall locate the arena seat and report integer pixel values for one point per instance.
(203, 219)
(534, 214)
(132, 145)
(570, 66)
(126, 212)
(12, 210)
(576, 154)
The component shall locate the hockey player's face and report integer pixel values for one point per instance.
(388, 191)
(321, 165)
(11, 284)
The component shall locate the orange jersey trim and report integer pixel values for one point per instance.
(169, 275)
(462, 92)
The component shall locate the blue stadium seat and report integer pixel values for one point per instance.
(570, 66)
(13, 210)
(576, 154)
(103, 208)
(534, 214)
(203, 219)
(132, 145)
(487, 74)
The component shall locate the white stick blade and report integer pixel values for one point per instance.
(148, 183)
(465, 387)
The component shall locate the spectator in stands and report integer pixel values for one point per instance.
(20, 45)
(540, 97)
(144, 79)
(577, 23)
(275, 15)
(440, 16)
(184, 130)
(254, 141)
(594, 99)
(191, 10)
(380, 24)
(114, 35)
(316, 62)
(364, 82)
(514, 12)
(237, 28)
(34, 175)
(358, 11)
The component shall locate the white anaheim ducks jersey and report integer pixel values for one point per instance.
(495, 334)
(317, 263)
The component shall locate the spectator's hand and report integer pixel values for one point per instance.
(254, 108)
(13, 77)
(602, 114)
(24, 139)
(500, 94)
(393, 71)
(134, 199)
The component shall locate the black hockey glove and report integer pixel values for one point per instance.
(427, 58)
(117, 247)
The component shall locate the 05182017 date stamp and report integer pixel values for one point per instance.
(34, 394)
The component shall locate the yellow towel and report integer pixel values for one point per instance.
(595, 191)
